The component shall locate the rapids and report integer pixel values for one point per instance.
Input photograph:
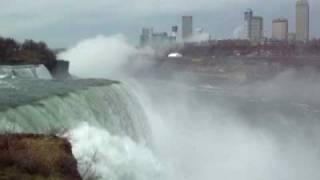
(173, 131)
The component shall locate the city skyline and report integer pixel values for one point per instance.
(253, 28)
(53, 21)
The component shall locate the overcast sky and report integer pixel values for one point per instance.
(62, 23)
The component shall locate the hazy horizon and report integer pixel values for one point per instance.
(64, 23)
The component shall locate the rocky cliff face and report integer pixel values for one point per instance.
(38, 157)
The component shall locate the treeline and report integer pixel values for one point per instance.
(28, 52)
(244, 48)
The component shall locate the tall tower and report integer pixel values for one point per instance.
(254, 26)
(256, 29)
(302, 20)
(187, 27)
(248, 15)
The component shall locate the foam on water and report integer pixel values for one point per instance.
(104, 156)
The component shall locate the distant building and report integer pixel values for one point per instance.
(174, 34)
(248, 14)
(280, 29)
(187, 27)
(254, 26)
(146, 37)
(256, 29)
(292, 37)
(154, 39)
(160, 39)
(302, 20)
(248, 19)
(175, 29)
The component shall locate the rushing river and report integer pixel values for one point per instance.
(150, 129)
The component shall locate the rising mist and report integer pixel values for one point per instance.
(257, 130)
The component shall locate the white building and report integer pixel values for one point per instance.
(302, 20)
(280, 29)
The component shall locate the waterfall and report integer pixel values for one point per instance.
(108, 157)
(111, 107)
(25, 72)
(103, 120)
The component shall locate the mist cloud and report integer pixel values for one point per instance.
(99, 57)
(106, 57)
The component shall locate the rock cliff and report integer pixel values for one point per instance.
(29, 157)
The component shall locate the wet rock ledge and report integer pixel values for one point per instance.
(29, 157)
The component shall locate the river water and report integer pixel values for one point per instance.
(150, 129)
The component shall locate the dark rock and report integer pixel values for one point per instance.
(27, 156)
(60, 70)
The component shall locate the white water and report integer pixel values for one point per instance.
(111, 107)
(25, 72)
(213, 139)
(258, 131)
(112, 157)
(103, 120)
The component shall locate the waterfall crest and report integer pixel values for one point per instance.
(51, 106)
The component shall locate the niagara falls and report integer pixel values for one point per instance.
(159, 90)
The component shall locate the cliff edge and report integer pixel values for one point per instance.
(29, 157)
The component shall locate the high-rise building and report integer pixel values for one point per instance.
(256, 29)
(157, 39)
(254, 26)
(248, 15)
(248, 19)
(174, 34)
(187, 27)
(302, 20)
(146, 37)
(280, 29)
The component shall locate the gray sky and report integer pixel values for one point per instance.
(62, 23)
